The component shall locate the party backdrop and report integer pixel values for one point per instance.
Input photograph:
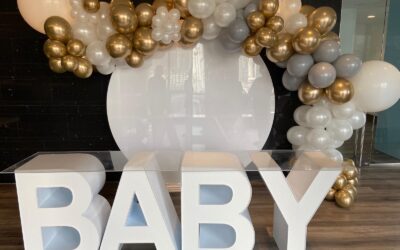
(44, 111)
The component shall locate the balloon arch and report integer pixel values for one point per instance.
(337, 90)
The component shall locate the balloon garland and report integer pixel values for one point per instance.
(337, 90)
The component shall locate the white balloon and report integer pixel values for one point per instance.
(175, 14)
(300, 115)
(319, 138)
(97, 53)
(295, 22)
(104, 11)
(157, 34)
(36, 12)
(201, 8)
(86, 32)
(297, 135)
(336, 143)
(323, 102)
(156, 21)
(318, 117)
(211, 29)
(162, 12)
(358, 120)
(79, 14)
(343, 111)
(376, 86)
(340, 129)
(224, 14)
(334, 155)
(288, 8)
(104, 29)
(106, 69)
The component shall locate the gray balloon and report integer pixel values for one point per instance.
(251, 7)
(299, 65)
(238, 30)
(282, 65)
(328, 51)
(322, 75)
(291, 83)
(347, 65)
(227, 43)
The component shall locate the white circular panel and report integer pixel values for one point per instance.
(199, 99)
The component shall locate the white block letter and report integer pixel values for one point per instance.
(298, 196)
(215, 195)
(143, 211)
(59, 205)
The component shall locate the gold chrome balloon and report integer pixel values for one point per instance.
(53, 48)
(56, 66)
(323, 19)
(57, 28)
(330, 36)
(69, 63)
(118, 45)
(76, 47)
(349, 161)
(182, 6)
(283, 48)
(266, 37)
(144, 13)
(268, 7)
(343, 199)
(255, 20)
(124, 19)
(351, 189)
(192, 29)
(340, 182)
(91, 6)
(84, 68)
(143, 42)
(353, 182)
(134, 59)
(308, 94)
(275, 23)
(306, 41)
(330, 196)
(340, 92)
(250, 46)
(350, 171)
(306, 10)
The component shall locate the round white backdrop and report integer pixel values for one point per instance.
(199, 99)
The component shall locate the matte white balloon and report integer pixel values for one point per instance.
(318, 117)
(297, 135)
(201, 8)
(211, 29)
(376, 86)
(358, 120)
(319, 138)
(300, 115)
(340, 129)
(224, 14)
(97, 53)
(334, 155)
(343, 111)
(86, 32)
(295, 22)
(35, 12)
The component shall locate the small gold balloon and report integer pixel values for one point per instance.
(250, 46)
(330, 196)
(351, 189)
(53, 48)
(76, 47)
(323, 19)
(91, 6)
(350, 171)
(306, 41)
(266, 37)
(349, 161)
(330, 36)
(118, 45)
(340, 92)
(182, 6)
(56, 66)
(255, 20)
(70, 63)
(340, 182)
(84, 68)
(268, 7)
(144, 13)
(134, 59)
(353, 182)
(343, 199)
(306, 10)
(275, 23)
(143, 42)
(57, 28)
(308, 94)
(192, 29)
(283, 48)
(166, 3)
(124, 19)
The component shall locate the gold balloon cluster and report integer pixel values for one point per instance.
(64, 53)
(344, 190)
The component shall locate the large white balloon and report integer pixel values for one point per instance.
(358, 120)
(97, 53)
(343, 111)
(35, 12)
(318, 138)
(295, 22)
(224, 14)
(340, 129)
(297, 135)
(201, 8)
(318, 117)
(84, 31)
(376, 86)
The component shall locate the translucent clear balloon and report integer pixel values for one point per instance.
(318, 117)
(300, 115)
(318, 138)
(224, 14)
(297, 135)
(97, 54)
(201, 8)
(211, 29)
(358, 120)
(295, 22)
(84, 31)
(343, 111)
(340, 129)
(334, 155)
